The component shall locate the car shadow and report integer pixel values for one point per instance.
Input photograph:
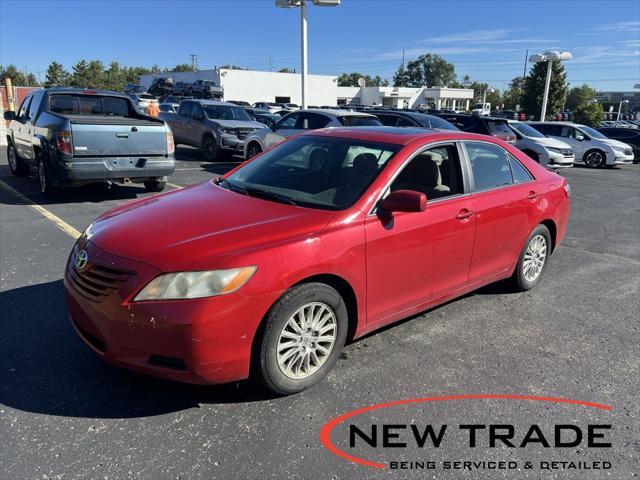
(45, 368)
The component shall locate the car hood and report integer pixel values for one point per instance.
(238, 123)
(614, 143)
(550, 142)
(195, 228)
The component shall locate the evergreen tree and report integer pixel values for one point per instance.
(534, 89)
(56, 75)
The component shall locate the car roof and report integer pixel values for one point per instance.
(395, 135)
(335, 111)
(82, 90)
(569, 124)
(210, 102)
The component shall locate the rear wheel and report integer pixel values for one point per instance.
(595, 159)
(45, 177)
(155, 185)
(210, 148)
(16, 165)
(302, 338)
(533, 260)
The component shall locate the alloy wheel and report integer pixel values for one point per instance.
(13, 161)
(534, 258)
(594, 159)
(306, 340)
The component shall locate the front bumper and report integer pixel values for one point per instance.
(622, 159)
(558, 160)
(78, 171)
(205, 341)
(231, 143)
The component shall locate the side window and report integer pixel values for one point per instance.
(197, 110)
(35, 105)
(24, 108)
(520, 174)
(405, 122)
(568, 132)
(312, 121)
(388, 120)
(185, 109)
(288, 122)
(490, 166)
(435, 172)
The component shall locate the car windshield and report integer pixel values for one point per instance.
(430, 121)
(525, 130)
(356, 121)
(591, 132)
(226, 112)
(313, 171)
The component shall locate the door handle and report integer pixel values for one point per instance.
(532, 195)
(465, 214)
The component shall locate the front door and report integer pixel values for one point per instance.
(285, 127)
(416, 258)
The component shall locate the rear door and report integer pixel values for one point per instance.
(21, 141)
(506, 202)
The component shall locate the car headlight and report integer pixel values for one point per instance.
(228, 131)
(619, 149)
(181, 285)
(563, 151)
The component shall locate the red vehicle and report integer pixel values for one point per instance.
(327, 236)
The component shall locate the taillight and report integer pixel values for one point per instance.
(567, 189)
(64, 142)
(171, 147)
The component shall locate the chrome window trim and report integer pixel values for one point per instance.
(466, 187)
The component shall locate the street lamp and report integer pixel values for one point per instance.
(548, 57)
(620, 109)
(303, 33)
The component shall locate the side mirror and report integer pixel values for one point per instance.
(580, 137)
(405, 201)
(10, 115)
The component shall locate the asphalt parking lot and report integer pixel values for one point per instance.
(64, 413)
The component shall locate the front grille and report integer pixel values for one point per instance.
(567, 152)
(97, 281)
(241, 133)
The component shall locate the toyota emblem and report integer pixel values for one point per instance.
(81, 260)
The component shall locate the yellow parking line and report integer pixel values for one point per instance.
(57, 221)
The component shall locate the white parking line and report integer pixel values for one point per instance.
(174, 185)
(57, 221)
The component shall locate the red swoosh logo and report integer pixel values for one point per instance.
(325, 432)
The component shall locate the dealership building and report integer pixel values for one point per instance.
(255, 86)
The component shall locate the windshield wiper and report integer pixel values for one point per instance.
(267, 195)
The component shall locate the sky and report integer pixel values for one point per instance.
(486, 40)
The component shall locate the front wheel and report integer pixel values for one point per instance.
(210, 148)
(16, 165)
(252, 150)
(532, 261)
(302, 338)
(595, 159)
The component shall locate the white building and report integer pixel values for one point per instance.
(254, 86)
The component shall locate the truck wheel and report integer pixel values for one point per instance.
(155, 185)
(16, 165)
(210, 148)
(45, 177)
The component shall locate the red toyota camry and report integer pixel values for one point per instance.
(268, 270)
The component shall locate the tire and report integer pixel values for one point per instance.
(280, 367)
(532, 155)
(210, 149)
(523, 277)
(253, 149)
(155, 185)
(594, 159)
(16, 165)
(45, 178)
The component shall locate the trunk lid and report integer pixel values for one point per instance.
(94, 139)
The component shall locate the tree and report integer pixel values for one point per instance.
(512, 96)
(112, 77)
(234, 67)
(589, 113)
(287, 70)
(351, 80)
(579, 95)
(56, 75)
(427, 70)
(80, 76)
(183, 67)
(534, 89)
(17, 77)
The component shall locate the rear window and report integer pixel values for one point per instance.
(431, 121)
(69, 104)
(499, 127)
(355, 121)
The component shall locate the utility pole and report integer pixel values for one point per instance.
(270, 62)
(402, 70)
(194, 62)
(524, 75)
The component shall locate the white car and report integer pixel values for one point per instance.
(589, 145)
(549, 152)
(271, 106)
(300, 121)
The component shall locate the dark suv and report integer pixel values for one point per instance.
(391, 118)
(495, 127)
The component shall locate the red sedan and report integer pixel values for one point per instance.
(268, 270)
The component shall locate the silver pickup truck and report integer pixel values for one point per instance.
(210, 125)
(72, 136)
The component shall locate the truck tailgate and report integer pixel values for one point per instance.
(95, 140)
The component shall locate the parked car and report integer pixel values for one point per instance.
(173, 100)
(482, 109)
(74, 137)
(161, 86)
(271, 106)
(213, 126)
(262, 116)
(179, 88)
(168, 107)
(411, 119)
(132, 89)
(548, 152)
(589, 145)
(301, 120)
(629, 136)
(240, 103)
(142, 101)
(329, 236)
(204, 89)
(291, 106)
(495, 127)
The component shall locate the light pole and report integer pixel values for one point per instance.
(548, 57)
(620, 109)
(303, 35)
